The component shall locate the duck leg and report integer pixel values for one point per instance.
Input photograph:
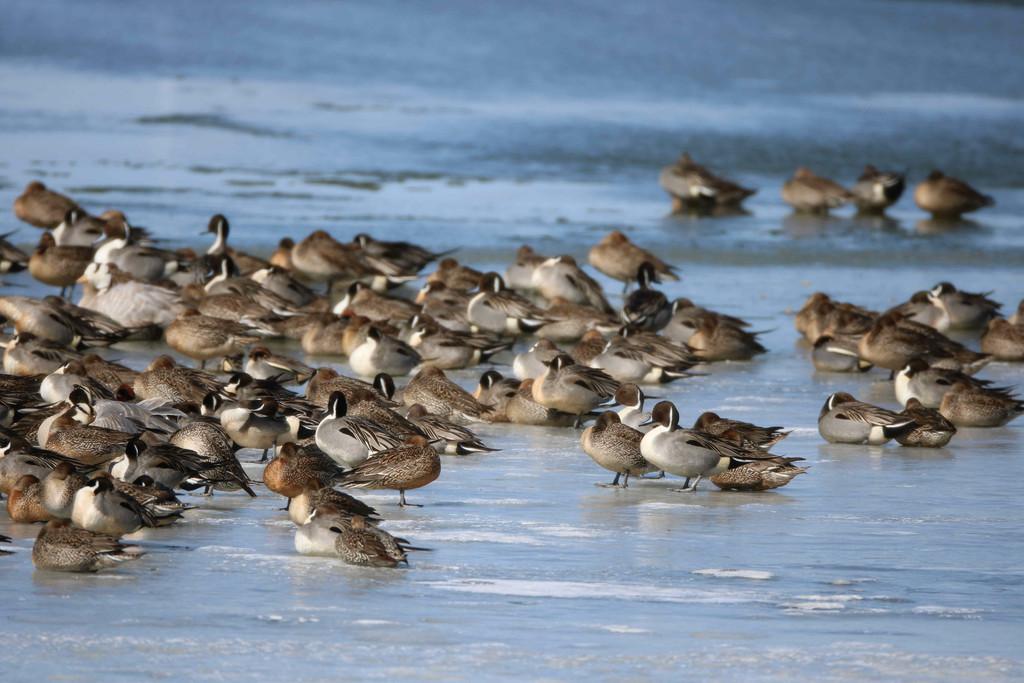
(401, 500)
(687, 488)
(625, 481)
(265, 456)
(614, 484)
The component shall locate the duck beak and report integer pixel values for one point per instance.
(648, 421)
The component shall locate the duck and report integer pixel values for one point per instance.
(412, 465)
(932, 430)
(42, 207)
(432, 389)
(281, 257)
(454, 276)
(129, 302)
(560, 277)
(682, 452)
(919, 308)
(295, 469)
(532, 363)
(892, 341)
(748, 434)
(521, 408)
(398, 258)
(875, 191)
(758, 475)
(324, 336)
(837, 355)
(201, 337)
(495, 391)
(631, 397)
(350, 440)
(262, 364)
(929, 383)
(59, 489)
(821, 315)
(380, 352)
(620, 259)
(87, 444)
(946, 197)
(626, 361)
(314, 497)
(963, 310)
(99, 507)
(520, 272)
(25, 501)
(445, 435)
(615, 447)
(810, 193)
(646, 308)
(326, 381)
(591, 345)
(142, 262)
(58, 266)
(319, 258)
(499, 310)
(173, 384)
(255, 424)
(844, 419)
(61, 547)
(363, 544)
(79, 229)
(569, 322)
(1003, 340)
(221, 469)
(12, 259)
(164, 463)
(317, 534)
(218, 226)
(280, 282)
(967, 405)
(451, 350)
(692, 186)
(572, 388)
(59, 384)
(716, 340)
(361, 300)
(687, 317)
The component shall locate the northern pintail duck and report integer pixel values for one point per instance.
(12, 259)
(495, 391)
(25, 501)
(932, 430)
(179, 386)
(279, 282)
(361, 300)
(450, 350)
(347, 439)
(398, 258)
(79, 229)
(295, 469)
(256, 424)
(572, 388)
(281, 257)
(326, 381)
(521, 408)
(86, 444)
(454, 276)
(809, 193)
(129, 302)
(875, 191)
(445, 435)
(39, 206)
(591, 345)
(921, 309)
(618, 258)
(689, 453)
(964, 310)
(967, 405)
(646, 308)
(61, 547)
(929, 383)
(758, 475)
(693, 186)
(319, 257)
(314, 497)
(142, 262)
(99, 507)
(520, 272)
(324, 336)
(220, 228)
(946, 197)
(748, 434)
(821, 315)
(687, 317)
(569, 322)
(716, 340)
(59, 384)
(201, 337)
(263, 364)
(532, 363)
(844, 419)
(838, 355)
(59, 489)
(893, 341)
(58, 266)
(432, 389)
(221, 470)
(1003, 340)
(363, 544)
(382, 353)
(615, 447)
(499, 310)
(164, 463)
(562, 278)
(626, 361)
(412, 465)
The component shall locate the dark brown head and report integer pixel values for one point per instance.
(666, 414)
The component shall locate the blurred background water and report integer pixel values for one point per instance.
(485, 125)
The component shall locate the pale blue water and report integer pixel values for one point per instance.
(485, 127)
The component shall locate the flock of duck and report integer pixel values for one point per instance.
(95, 450)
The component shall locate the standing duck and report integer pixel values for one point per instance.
(58, 266)
(409, 466)
(615, 447)
(42, 207)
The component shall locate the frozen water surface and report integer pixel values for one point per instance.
(481, 128)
